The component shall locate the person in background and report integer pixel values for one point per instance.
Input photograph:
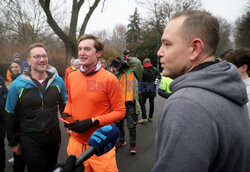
(105, 65)
(163, 89)
(95, 100)
(3, 97)
(32, 108)
(77, 64)
(129, 77)
(15, 69)
(25, 67)
(68, 70)
(19, 164)
(204, 124)
(241, 59)
(15, 57)
(148, 89)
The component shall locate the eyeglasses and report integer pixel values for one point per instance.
(40, 56)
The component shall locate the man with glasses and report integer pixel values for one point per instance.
(32, 106)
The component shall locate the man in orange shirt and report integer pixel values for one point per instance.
(92, 92)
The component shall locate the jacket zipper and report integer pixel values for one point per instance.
(42, 109)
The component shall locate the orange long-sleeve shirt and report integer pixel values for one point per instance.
(67, 72)
(93, 97)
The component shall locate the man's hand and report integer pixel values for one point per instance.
(16, 149)
(81, 126)
(69, 166)
(68, 131)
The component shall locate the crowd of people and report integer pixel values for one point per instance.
(204, 124)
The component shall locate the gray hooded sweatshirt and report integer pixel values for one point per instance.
(204, 125)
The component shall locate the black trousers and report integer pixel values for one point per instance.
(143, 107)
(132, 119)
(19, 163)
(40, 150)
(2, 155)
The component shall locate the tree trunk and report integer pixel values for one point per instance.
(71, 50)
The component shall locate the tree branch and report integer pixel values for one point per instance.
(45, 4)
(87, 17)
(73, 21)
(79, 4)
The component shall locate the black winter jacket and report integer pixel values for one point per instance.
(34, 106)
(148, 86)
(3, 97)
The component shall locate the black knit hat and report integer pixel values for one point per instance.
(16, 55)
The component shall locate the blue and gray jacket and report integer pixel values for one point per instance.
(33, 107)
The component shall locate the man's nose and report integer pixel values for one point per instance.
(159, 53)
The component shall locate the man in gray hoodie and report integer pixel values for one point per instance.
(204, 124)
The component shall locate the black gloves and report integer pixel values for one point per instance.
(82, 126)
(69, 166)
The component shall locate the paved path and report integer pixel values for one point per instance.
(143, 161)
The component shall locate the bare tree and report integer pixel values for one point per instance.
(23, 20)
(160, 13)
(104, 35)
(225, 32)
(242, 31)
(118, 38)
(70, 39)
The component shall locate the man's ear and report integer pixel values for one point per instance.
(196, 48)
(244, 68)
(28, 60)
(99, 53)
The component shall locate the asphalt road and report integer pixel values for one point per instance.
(143, 161)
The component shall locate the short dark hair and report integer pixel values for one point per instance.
(225, 53)
(17, 62)
(98, 44)
(239, 57)
(201, 24)
(35, 45)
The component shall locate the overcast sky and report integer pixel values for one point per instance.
(118, 12)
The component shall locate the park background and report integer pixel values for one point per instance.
(136, 25)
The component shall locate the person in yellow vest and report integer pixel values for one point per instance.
(163, 89)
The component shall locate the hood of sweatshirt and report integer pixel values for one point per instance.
(221, 78)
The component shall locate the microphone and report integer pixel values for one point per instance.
(100, 142)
